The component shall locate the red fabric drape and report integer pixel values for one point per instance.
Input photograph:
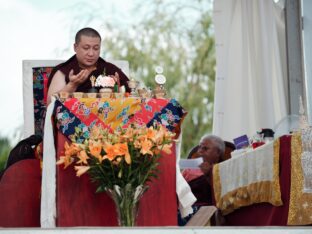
(20, 195)
(78, 205)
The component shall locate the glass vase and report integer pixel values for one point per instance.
(126, 201)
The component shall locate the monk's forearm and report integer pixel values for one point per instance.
(69, 87)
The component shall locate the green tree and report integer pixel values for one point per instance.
(5, 149)
(179, 37)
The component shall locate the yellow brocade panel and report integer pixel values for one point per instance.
(300, 204)
(113, 111)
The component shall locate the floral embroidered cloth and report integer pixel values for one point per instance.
(84, 113)
(40, 80)
(300, 208)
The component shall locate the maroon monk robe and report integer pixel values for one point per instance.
(101, 67)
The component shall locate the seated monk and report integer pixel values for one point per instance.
(211, 148)
(74, 74)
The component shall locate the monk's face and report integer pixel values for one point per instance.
(88, 51)
(209, 151)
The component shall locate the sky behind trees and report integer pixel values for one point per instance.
(36, 29)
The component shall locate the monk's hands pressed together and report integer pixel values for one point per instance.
(82, 76)
(206, 167)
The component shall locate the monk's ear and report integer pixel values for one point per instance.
(75, 47)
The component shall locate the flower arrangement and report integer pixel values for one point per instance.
(105, 81)
(119, 162)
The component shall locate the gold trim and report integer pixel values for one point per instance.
(300, 204)
(217, 184)
(276, 196)
(264, 191)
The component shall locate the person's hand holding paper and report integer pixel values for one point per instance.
(190, 163)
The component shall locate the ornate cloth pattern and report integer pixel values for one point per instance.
(306, 158)
(84, 113)
(252, 177)
(66, 122)
(300, 204)
(40, 80)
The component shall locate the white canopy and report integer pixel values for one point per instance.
(251, 87)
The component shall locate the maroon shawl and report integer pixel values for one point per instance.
(102, 66)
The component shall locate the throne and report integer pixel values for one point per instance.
(20, 186)
(35, 80)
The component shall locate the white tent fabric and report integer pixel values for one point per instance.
(251, 86)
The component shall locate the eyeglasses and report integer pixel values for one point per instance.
(205, 148)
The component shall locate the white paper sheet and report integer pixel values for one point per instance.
(190, 163)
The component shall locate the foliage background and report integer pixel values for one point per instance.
(176, 34)
(179, 37)
(4, 151)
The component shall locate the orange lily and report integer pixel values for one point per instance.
(71, 149)
(123, 150)
(117, 161)
(162, 135)
(83, 157)
(166, 148)
(128, 134)
(66, 160)
(151, 134)
(95, 149)
(146, 147)
(110, 152)
(119, 149)
(137, 144)
(142, 138)
(81, 170)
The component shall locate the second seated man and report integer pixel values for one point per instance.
(211, 149)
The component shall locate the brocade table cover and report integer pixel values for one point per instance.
(77, 204)
(249, 178)
(296, 208)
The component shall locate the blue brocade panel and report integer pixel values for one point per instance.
(40, 81)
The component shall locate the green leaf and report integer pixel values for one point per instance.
(100, 189)
(120, 173)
